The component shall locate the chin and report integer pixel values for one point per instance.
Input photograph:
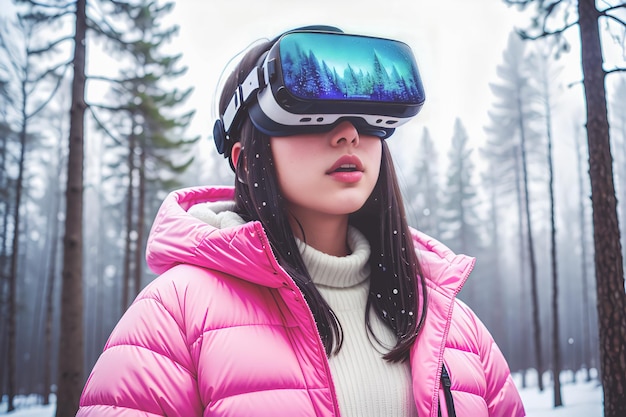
(349, 207)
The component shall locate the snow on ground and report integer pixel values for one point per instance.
(580, 399)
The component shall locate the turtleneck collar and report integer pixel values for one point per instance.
(335, 271)
(326, 270)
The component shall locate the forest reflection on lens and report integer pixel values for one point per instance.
(344, 67)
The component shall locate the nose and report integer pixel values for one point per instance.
(344, 133)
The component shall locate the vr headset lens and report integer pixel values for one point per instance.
(325, 66)
(311, 80)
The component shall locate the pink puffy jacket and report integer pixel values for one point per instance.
(224, 331)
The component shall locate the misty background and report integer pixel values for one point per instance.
(503, 122)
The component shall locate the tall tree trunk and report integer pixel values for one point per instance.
(587, 351)
(4, 271)
(498, 294)
(49, 309)
(24, 362)
(39, 295)
(4, 300)
(534, 296)
(98, 316)
(622, 164)
(50, 281)
(611, 298)
(71, 343)
(141, 210)
(556, 348)
(130, 196)
(544, 78)
(12, 301)
(4, 193)
(522, 257)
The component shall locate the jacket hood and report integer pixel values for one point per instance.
(243, 249)
(178, 237)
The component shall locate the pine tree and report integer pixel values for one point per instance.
(459, 215)
(509, 148)
(71, 349)
(18, 46)
(8, 136)
(609, 262)
(460, 223)
(584, 268)
(499, 288)
(423, 196)
(545, 78)
(157, 150)
(617, 115)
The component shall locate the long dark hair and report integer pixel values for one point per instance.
(397, 284)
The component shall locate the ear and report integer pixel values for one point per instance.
(235, 152)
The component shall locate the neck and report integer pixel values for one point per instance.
(327, 234)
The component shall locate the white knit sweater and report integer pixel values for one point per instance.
(366, 384)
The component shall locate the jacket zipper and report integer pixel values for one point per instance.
(288, 282)
(447, 392)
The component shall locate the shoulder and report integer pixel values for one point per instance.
(200, 299)
(469, 343)
(468, 331)
(445, 270)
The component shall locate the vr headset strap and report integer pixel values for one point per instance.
(242, 96)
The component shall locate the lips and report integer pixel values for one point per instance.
(347, 163)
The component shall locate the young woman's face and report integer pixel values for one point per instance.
(331, 173)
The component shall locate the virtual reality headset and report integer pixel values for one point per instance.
(310, 80)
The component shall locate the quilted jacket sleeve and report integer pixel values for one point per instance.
(145, 368)
(502, 396)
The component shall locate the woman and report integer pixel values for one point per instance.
(302, 291)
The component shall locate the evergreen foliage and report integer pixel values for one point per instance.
(139, 121)
(512, 143)
(459, 218)
(589, 16)
(307, 77)
(424, 195)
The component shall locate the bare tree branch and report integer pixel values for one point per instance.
(49, 46)
(617, 19)
(606, 72)
(43, 104)
(551, 8)
(570, 85)
(103, 127)
(113, 35)
(609, 9)
(104, 20)
(39, 16)
(109, 108)
(544, 34)
(615, 70)
(103, 78)
(51, 6)
(52, 71)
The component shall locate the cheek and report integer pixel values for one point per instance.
(283, 157)
(289, 164)
(375, 154)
